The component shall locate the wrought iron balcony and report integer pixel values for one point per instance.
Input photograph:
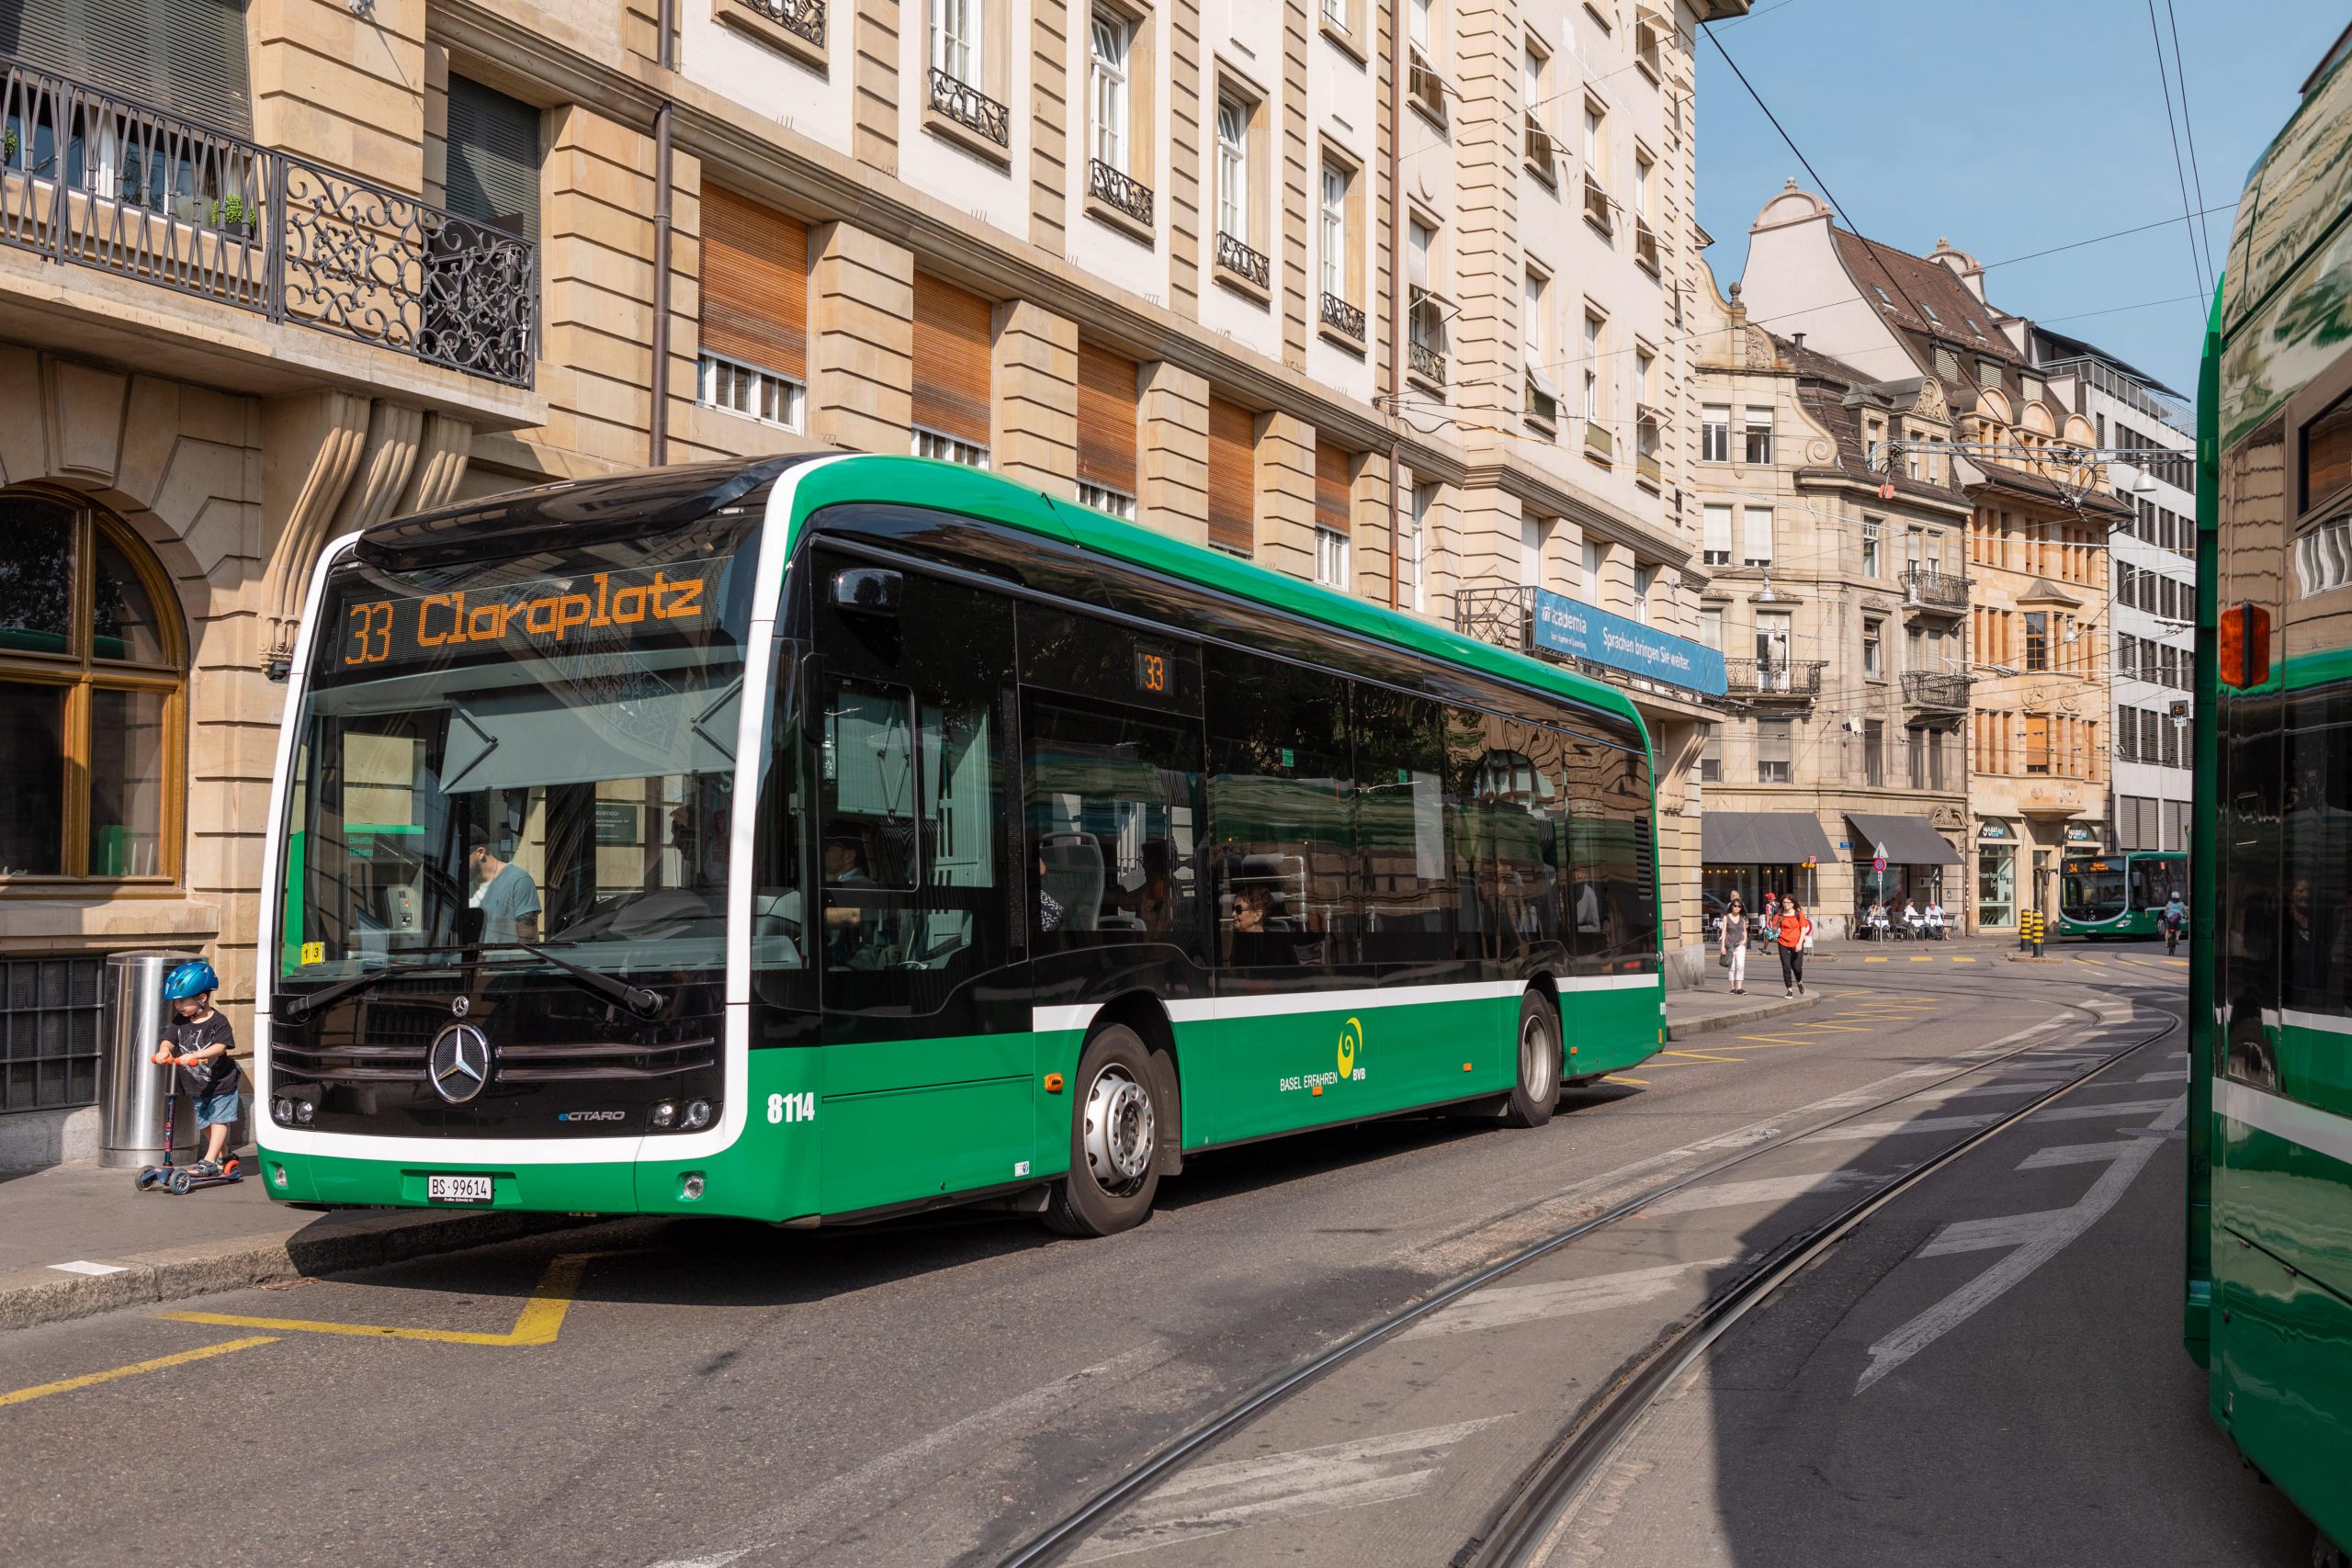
(1342, 318)
(1426, 362)
(1784, 680)
(1931, 590)
(1645, 246)
(1596, 206)
(804, 17)
(1933, 689)
(970, 108)
(1504, 616)
(108, 184)
(1241, 261)
(1130, 196)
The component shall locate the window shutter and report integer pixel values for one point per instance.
(1331, 510)
(185, 58)
(1106, 420)
(1717, 523)
(1233, 476)
(494, 158)
(754, 283)
(951, 369)
(1757, 525)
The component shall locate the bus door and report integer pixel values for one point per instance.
(928, 1072)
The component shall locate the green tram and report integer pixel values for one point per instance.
(819, 839)
(2269, 1308)
(2117, 895)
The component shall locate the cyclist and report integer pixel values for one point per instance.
(2175, 917)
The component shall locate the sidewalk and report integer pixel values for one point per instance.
(1715, 1008)
(77, 1239)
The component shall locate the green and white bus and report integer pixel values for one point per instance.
(2122, 893)
(819, 839)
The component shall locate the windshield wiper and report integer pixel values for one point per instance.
(640, 999)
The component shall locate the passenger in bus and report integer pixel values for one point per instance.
(1253, 945)
(850, 942)
(505, 895)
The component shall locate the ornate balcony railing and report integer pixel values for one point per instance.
(108, 184)
(1426, 362)
(1504, 616)
(1130, 196)
(1797, 679)
(1645, 246)
(1596, 206)
(1241, 261)
(1931, 590)
(1933, 689)
(970, 108)
(805, 18)
(1342, 318)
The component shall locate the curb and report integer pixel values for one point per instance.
(335, 1245)
(1720, 1021)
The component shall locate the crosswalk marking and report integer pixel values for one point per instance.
(1498, 1306)
(1759, 1189)
(1983, 1236)
(2073, 1154)
(1864, 1131)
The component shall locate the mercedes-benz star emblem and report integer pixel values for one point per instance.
(461, 1006)
(458, 1064)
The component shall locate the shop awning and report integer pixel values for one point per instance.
(1909, 840)
(1762, 838)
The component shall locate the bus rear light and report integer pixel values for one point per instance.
(2242, 646)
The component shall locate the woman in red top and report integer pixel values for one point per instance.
(1792, 929)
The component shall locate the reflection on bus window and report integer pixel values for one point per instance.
(1111, 811)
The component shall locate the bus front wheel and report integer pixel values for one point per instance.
(1114, 1138)
(1537, 1087)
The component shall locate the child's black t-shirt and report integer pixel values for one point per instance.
(206, 1077)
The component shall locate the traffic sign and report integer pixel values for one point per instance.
(1878, 860)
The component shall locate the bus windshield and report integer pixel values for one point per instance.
(2091, 890)
(532, 750)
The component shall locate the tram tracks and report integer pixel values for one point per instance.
(1515, 1529)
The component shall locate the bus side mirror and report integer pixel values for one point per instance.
(866, 590)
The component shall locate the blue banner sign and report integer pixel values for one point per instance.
(1573, 628)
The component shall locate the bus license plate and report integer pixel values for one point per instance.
(458, 1190)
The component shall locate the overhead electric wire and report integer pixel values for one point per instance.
(2180, 172)
(2100, 239)
(2188, 132)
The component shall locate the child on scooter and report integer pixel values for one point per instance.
(197, 1042)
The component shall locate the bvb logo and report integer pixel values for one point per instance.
(1351, 1042)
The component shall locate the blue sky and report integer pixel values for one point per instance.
(2010, 126)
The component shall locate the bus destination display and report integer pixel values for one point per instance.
(583, 613)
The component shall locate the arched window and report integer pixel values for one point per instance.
(91, 695)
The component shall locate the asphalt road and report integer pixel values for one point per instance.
(930, 1392)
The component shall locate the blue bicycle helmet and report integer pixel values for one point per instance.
(192, 978)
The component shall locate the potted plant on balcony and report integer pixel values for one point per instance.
(235, 215)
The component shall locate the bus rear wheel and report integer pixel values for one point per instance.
(1537, 1087)
(1113, 1140)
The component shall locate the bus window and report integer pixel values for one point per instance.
(1612, 906)
(1280, 815)
(1111, 808)
(2090, 888)
(1400, 826)
(2317, 825)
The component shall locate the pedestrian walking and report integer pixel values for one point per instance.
(1792, 934)
(1735, 945)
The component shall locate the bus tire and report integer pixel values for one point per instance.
(1114, 1138)
(1537, 1086)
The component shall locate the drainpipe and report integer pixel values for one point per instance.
(1396, 280)
(657, 433)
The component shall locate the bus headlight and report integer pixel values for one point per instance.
(283, 1109)
(305, 1113)
(663, 1115)
(698, 1114)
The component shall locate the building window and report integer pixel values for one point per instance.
(2036, 640)
(1595, 332)
(1644, 579)
(1916, 756)
(1233, 168)
(1426, 322)
(1710, 757)
(1756, 525)
(1714, 433)
(1872, 529)
(1111, 36)
(2037, 743)
(1596, 135)
(948, 449)
(1772, 749)
(1874, 752)
(1710, 626)
(1333, 259)
(1643, 169)
(1760, 436)
(1873, 651)
(1118, 503)
(494, 158)
(1331, 559)
(90, 698)
(1412, 587)
(1542, 402)
(1715, 535)
(956, 33)
(747, 389)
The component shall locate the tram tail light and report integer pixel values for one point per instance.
(2242, 646)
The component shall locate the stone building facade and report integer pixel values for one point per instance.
(1838, 595)
(1159, 256)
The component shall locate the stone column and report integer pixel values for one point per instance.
(1174, 459)
(1285, 475)
(861, 338)
(1033, 438)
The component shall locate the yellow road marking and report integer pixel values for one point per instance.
(1616, 1077)
(1837, 1028)
(1874, 959)
(540, 1321)
(87, 1379)
(1958, 959)
(2177, 963)
(1923, 958)
(2092, 962)
(1698, 1056)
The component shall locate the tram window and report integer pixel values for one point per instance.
(1280, 816)
(2317, 828)
(1401, 827)
(1112, 815)
(2327, 453)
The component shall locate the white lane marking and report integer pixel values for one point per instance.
(2170, 1075)
(1979, 1235)
(1500, 1305)
(1867, 1131)
(2005, 1085)
(80, 1266)
(1759, 1189)
(2071, 1111)
(1957, 1308)
(1235, 1494)
(2073, 1153)
(828, 1500)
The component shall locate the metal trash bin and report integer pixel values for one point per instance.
(132, 1099)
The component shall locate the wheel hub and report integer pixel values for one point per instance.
(1535, 1059)
(1120, 1130)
